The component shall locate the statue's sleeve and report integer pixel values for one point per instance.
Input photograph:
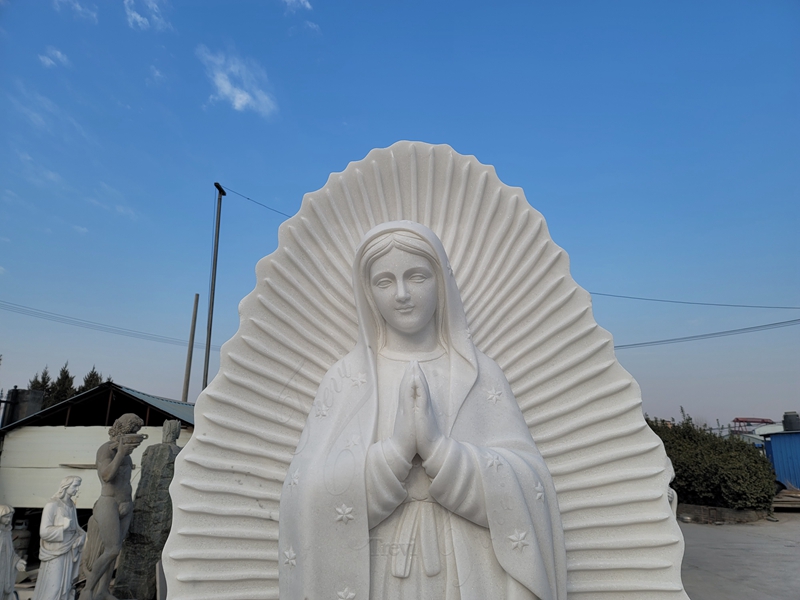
(496, 478)
(48, 530)
(468, 473)
(385, 469)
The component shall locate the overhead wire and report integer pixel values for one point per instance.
(76, 322)
(67, 320)
(592, 293)
(706, 336)
(102, 327)
(694, 303)
(275, 210)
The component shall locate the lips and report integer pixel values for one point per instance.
(405, 309)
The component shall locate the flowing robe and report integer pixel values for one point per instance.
(344, 494)
(8, 564)
(60, 551)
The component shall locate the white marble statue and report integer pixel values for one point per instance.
(10, 563)
(62, 541)
(483, 445)
(113, 510)
(416, 476)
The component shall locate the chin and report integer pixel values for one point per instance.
(408, 328)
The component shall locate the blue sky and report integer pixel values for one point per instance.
(661, 141)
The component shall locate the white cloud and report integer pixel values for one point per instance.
(36, 173)
(126, 211)
(47, 116)
(156, 76)
(293, 5)
(2, 271)
(313, 26)
(79, 229)
(237, 81)
(134, 18)
(36, 119)
(53, 57)
(114, 201)
(97, 203)
(5, 240)
(154, 16)
(83, 11)
(158, 20)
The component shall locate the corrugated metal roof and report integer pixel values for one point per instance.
(182, 410)
(179, 410)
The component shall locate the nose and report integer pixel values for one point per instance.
(402, 291)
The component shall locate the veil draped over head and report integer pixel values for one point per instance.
(324, 536)
(453, 326)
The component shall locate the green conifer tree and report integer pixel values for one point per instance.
(41, 382)
(62, 388)
(91, 380)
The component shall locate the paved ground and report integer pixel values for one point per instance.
(732, 562)
(742, 562)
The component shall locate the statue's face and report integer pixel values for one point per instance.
(404, 288)
(72, 490)
(6, 518)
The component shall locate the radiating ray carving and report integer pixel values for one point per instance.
(525, 311)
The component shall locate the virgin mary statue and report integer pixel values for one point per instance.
(416, 476)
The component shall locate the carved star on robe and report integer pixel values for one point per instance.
(295, 478)
(344, 513)
(539, 491)
(494, 461)
(322, 410)
(346, 594)
(291, 558)
(518, 541)
(353, 441)
(493, 395)
(359, 380)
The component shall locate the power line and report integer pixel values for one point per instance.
(152, 337)
(75, 322)
(693, 303)
(592, 293)
(706, 336)
(227, 189)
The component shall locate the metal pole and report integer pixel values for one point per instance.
(185, 395)
(220, 194)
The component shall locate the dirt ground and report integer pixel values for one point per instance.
(742, 562)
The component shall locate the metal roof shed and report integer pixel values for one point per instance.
(40, 449)
(101, 406)
(783, 451)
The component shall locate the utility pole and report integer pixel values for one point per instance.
(220, 194)
(185, 395)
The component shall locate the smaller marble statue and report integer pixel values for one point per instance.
(10, 563)
(113, 511)
(62, 541)
(152, 519)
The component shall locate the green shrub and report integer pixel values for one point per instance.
(714, 471)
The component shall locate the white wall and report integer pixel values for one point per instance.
(30, 459)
